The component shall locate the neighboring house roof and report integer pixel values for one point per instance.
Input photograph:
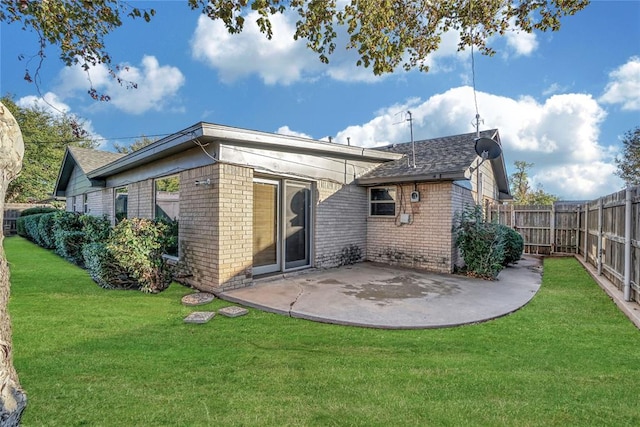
(446, 158)
(87, 159)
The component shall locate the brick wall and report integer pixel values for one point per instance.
(216, 220)
(426, 242)
(94, 203)
(460, 199)
(140, 199)
(235, 226)
(340, 224)
(198, 227)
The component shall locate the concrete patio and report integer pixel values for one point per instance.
(382, 296)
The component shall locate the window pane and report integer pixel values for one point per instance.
(167, 208)
(383, 194)
(383, 209)
(120, 203)
(168, 198)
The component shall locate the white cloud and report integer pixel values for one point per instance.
(50, 102)
(279, 60)
(624, 86)
(285, 130)
(156, 86)
(521, 42)
(282, 60)
(559, 135)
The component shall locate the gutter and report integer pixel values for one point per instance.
(212, 133)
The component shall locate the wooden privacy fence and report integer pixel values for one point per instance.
(605, 231)
(12, 212)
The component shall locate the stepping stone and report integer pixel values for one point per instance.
(233, 311)
(199, 298)
(199, 317)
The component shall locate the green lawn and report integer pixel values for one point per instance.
(87, 356)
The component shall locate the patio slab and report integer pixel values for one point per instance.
(382, 296)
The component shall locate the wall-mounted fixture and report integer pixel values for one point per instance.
(415, 196)
(203, 182)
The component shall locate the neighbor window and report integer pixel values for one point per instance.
(167, 207)
(382, 201)
(120, 203)
(85, 203)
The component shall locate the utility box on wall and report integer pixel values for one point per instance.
(415, 196)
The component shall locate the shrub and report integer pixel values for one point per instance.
(45, 230)
(481, 243)
(96, 229)
(30, 225)
(69, 237)
(513, 245)
(137, 245)
(104, 269)
(20, 228)
(37, 210)
(170, 241)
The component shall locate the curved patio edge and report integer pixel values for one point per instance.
(385, 297)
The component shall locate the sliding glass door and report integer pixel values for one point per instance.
(281, 225)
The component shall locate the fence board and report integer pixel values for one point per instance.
(594, 229)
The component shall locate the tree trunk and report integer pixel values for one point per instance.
(13, 399)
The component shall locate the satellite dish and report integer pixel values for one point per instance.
(488, 148)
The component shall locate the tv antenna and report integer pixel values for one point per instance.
(413, 144)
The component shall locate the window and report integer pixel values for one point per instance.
(167, 207)
(382, 201)
(167, 196)
(85, 203)
(120, 203)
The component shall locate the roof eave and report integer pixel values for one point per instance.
(439, 176)
(63, 175)
(212, 133)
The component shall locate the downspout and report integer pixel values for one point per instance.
(627, 245)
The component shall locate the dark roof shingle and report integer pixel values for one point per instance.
(89, 159)
(437, 158)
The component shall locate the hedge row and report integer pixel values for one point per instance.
(127, 256)
(486, 247)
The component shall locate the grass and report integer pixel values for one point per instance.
(87, 356)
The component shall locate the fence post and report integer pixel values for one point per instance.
(599, 255)
(578, 230)
(552, 228)
(586, 232)
(627, 245)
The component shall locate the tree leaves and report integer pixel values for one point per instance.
(46, 137)
(629, 163)
(385, 33)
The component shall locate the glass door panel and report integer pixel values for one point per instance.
(297, 214)
(266, 252)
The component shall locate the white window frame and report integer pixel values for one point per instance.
(393, 191)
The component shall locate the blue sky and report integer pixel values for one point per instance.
(561, 100)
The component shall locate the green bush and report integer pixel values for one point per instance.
(170, 239)
(37, 210)
(69, 237)
(137, 245)
(513, 245)
(45, 230)
(104, 269)
(482, 244)
(30, 225)
(20, 228)
(96, 229)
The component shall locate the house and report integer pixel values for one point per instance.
(251, 203)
